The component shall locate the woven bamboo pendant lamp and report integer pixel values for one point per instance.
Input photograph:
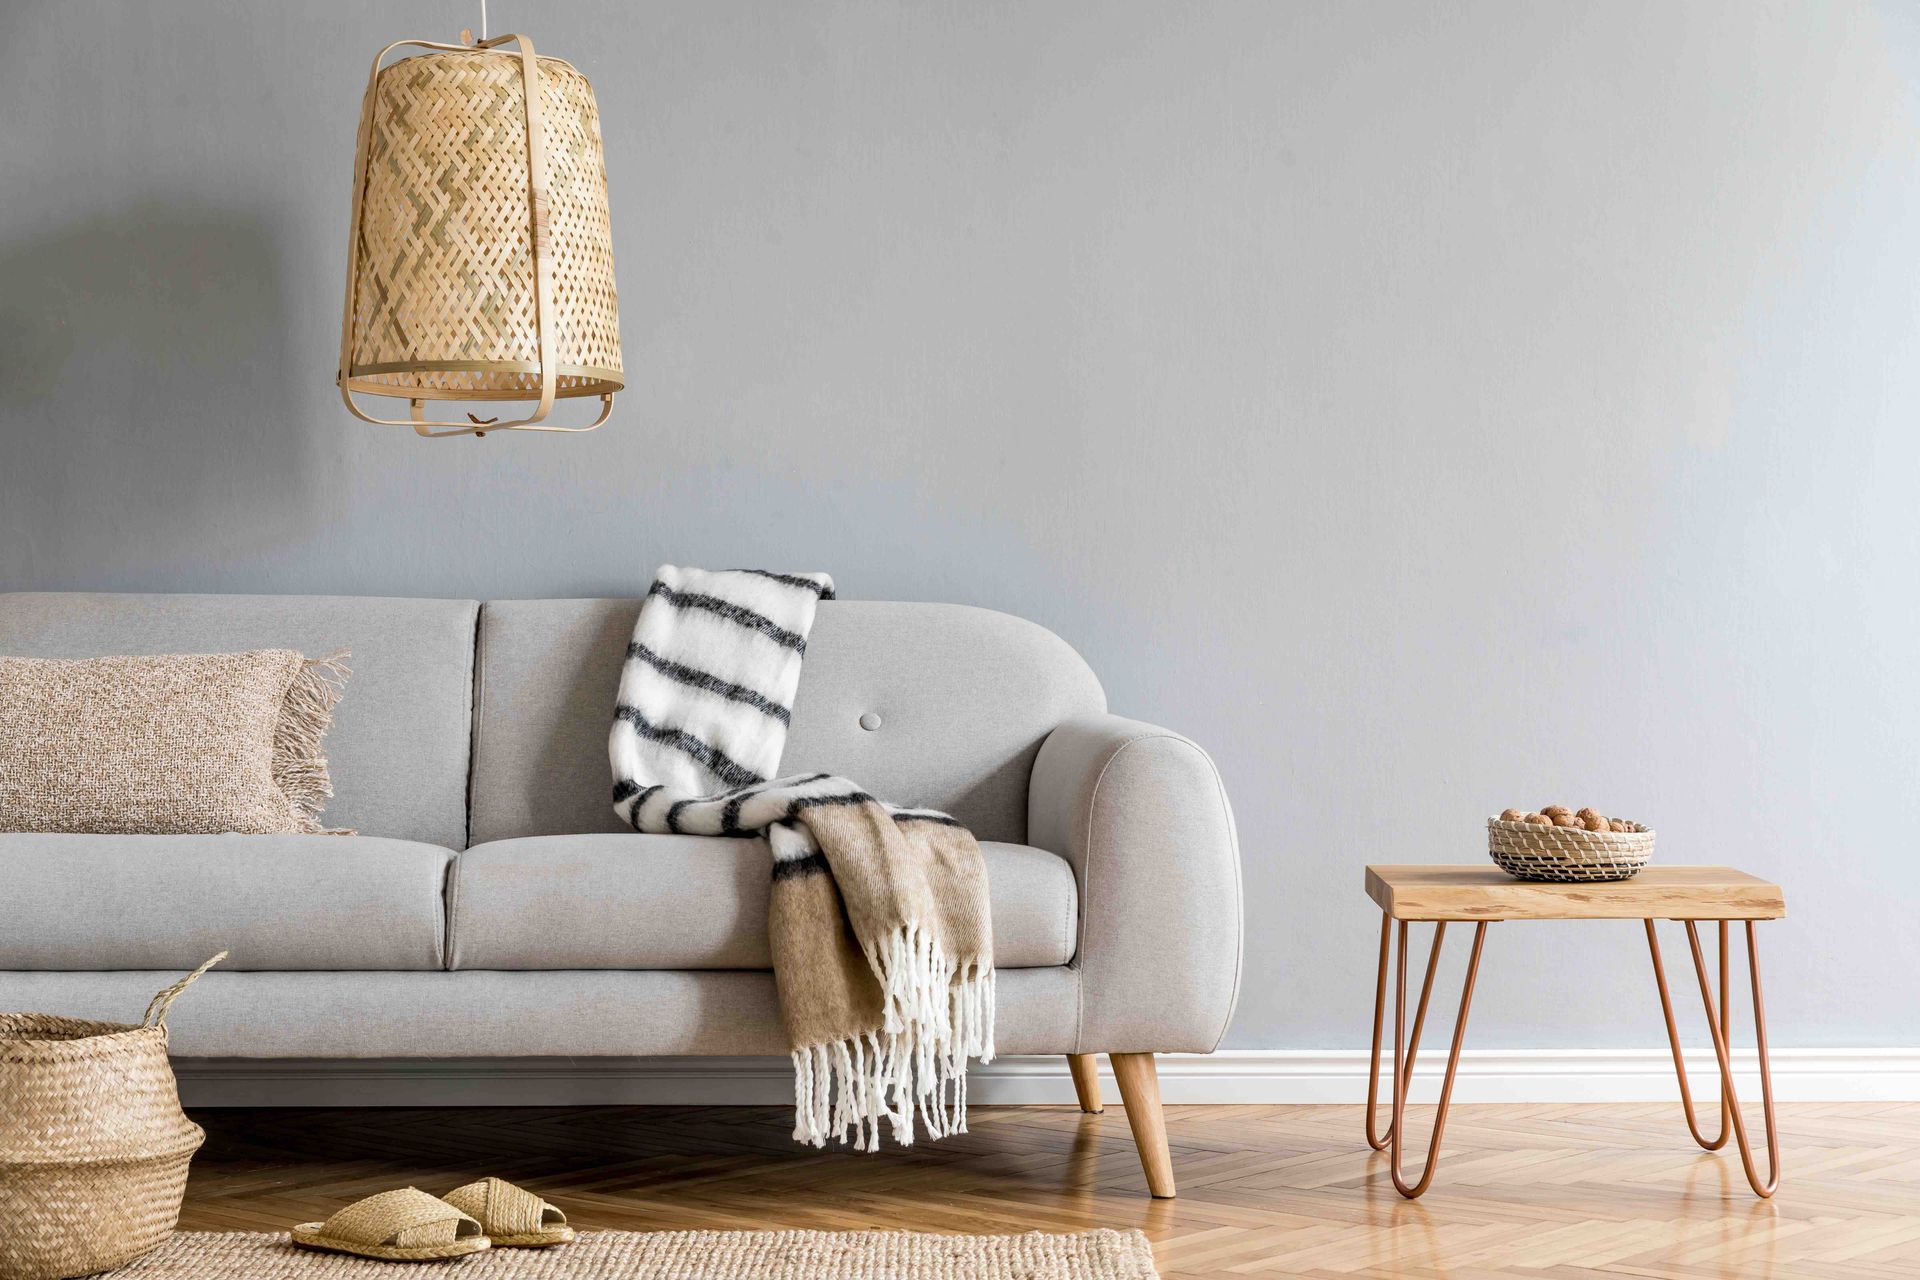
(481, 260)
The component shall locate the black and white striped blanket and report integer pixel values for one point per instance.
(881, 1022)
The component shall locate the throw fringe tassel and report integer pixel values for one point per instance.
(934, 1023)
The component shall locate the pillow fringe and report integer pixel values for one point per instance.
(305, 716)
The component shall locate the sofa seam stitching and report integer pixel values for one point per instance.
(478, 682)
(1093, 798)
(452, 910)
(1240, 907)
(1067, 922)
(1239, 891)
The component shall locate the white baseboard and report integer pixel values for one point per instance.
(1230, 1076)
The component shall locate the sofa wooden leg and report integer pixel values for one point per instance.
(1140, 1094)
(1086, 1081)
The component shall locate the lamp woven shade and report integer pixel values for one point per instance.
(481, 260)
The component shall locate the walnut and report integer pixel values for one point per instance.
(1593, 820)
(1538, 819)
(1621, 825)
(1512, 815)
(1554, 811)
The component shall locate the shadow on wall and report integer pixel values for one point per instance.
(142, 399)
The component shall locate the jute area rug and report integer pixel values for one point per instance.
(681, 1255)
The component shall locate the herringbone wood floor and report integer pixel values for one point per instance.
(1549, 1192)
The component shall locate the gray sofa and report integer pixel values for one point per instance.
(493, 906)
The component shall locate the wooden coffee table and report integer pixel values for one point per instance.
(1485, 895)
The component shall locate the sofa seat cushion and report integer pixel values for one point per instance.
(169, 902)
(692, 902)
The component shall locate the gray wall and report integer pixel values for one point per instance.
(1429, 408)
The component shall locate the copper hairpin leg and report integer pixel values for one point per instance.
(1405, 1051)
(1673, 1039)
(1374, 1140)
(1720, 1026)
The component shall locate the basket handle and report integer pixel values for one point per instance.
(157, 1008)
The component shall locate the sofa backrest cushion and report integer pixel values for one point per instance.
(398, 749)
(960, 699)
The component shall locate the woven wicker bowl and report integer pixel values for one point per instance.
(1532, 851)
(93, 1145)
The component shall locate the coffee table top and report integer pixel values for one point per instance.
(1485, 892)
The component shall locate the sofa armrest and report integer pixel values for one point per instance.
(1141, 814)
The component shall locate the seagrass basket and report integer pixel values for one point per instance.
(1533, 851)
(93, 1144)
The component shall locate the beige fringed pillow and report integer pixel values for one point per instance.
(168, 744)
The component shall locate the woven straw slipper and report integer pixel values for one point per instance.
(511, 1217)
(406, 1225)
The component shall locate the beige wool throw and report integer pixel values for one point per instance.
(882, 946)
